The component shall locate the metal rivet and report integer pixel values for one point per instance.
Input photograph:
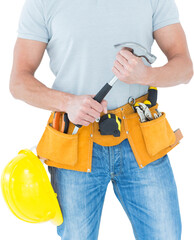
(97, 119)
(91, 135)
(141, 166)
(123, 117)
(127, 132)
(88, 170)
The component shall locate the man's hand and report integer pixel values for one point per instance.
(178, 70)
(129, 68)
(83, 109)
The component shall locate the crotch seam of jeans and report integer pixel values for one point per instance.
(121, 159)
(110, 156)
(124, 206)
(121, 165)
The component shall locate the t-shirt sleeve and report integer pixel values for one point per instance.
(32, 24)
(165, 13)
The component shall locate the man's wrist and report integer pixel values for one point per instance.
(64, 101)
(60, 100)
(150, 77)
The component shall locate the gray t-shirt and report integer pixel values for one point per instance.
(81, 35)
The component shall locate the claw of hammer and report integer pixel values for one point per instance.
(138, 50)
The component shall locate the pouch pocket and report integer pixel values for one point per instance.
(58, 147)
(157, 134)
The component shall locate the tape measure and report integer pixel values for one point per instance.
(110, 124)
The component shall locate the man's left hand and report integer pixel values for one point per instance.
(129, 68)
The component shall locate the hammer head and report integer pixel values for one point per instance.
(138, 50)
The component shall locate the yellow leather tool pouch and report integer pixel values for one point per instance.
(64, 149)
(150, 140)
(58, 146)
(157, 134)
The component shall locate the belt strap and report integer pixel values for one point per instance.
(178, 135)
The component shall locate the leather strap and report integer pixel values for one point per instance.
(178, 135)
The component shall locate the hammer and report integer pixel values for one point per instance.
(138, 51)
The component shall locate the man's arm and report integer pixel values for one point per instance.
(179, 69)
(23, 85)
(28, 54)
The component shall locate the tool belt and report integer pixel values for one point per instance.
(149, 140)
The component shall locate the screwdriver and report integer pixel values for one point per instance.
(65, 123)
(152, 98)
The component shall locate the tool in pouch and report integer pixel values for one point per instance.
(60, 122)
(114, 122)
(143, 108)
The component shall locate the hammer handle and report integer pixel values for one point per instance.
(100, 96)
(102, 93)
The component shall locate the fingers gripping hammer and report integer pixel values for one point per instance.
(138, 51)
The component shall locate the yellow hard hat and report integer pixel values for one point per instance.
(28, 191)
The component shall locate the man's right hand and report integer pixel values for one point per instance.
(83, 109)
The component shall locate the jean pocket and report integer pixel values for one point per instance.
(157, 134)
(58, 147)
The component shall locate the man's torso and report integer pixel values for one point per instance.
(82, 35)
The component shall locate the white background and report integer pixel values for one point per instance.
(22, 125)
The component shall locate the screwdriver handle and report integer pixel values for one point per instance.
(100, 96)
(66, 122)
(152, 95)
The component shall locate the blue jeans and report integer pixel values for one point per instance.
(148, 195)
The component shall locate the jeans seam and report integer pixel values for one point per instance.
(121, 158)
(121, 163)
(112, 159)
(124, 206)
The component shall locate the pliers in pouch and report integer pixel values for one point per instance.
(143, 112)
